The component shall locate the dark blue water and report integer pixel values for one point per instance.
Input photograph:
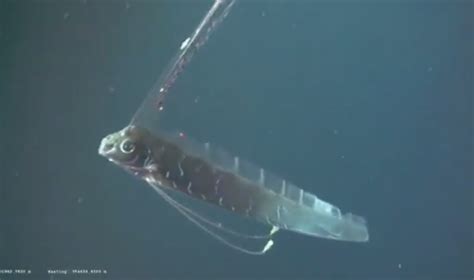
(366, 104)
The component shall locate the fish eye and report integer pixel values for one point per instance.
(127, 146)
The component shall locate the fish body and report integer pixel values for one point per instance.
(165, 162)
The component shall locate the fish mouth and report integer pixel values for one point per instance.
(106, 147)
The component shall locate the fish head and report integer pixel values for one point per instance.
(126, 148)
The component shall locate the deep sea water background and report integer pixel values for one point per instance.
(366, 104)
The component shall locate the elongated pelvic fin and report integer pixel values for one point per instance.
(213, 228)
